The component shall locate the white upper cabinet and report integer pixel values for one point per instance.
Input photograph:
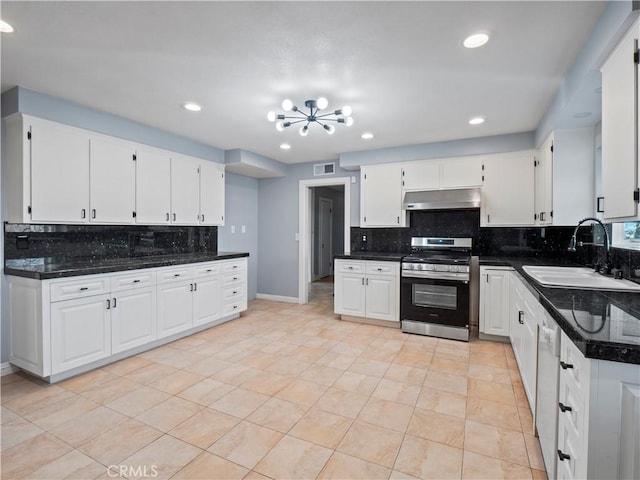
(508, 190)
(55, 165)
(564, 177)
(620, 130)
(381, 196)
(211, 193)
(185, 190)
(62, 174)
(455, 172)
(112, 181)
(153, 186)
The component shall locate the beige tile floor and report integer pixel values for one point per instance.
(286, 391)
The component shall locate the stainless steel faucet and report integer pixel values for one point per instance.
(572, 243)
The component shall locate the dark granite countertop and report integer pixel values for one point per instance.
(379, 256)
(603, 325)
(47, 268)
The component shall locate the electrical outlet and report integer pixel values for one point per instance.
(364, 238)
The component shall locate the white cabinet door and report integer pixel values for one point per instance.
(133, 318)
(350, 295)
(80, 332)
(153, 186)
(381, 297)
(529, 349)
(494, 301)
(620, 129)
(424, 175)
(112, 181)
(185, 190)
(175, 308)
(211, 193)
(206, 300)
(381, 196)
(59, 173)
(461, 172)
(543, 175)
(508, 190)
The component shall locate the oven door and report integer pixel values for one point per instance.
(437, 301)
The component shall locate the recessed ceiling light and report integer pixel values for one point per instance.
(367, 135)
(582, 115)
(192, 107)
(285, 146)
(476, 121)
(476, 40)
(5, 27)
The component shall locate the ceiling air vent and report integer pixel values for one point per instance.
(324, 169)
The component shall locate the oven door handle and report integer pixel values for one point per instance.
(437, 276)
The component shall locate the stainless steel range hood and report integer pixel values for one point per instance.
(442, 199)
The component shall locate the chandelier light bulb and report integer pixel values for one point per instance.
(346, 111)
(280, 126)
(271, 116)
(330, 129)
(348, 121)
(287, 105)
(322, 103)
(304, 131)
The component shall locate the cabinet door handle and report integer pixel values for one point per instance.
(398, 220)
(600, 204)
(108, 304)
(83, 213)
(174, 217)
(362, 280)
(542, 214)
(114, 302)
(203, 217)
(520, 317)
(488, 218)
(563, 456)
(195, 287)
(564, 408)
(82, 289)
(565, 365)
(367, 282)
(93, 213)
(136, 281)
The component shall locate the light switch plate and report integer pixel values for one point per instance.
(233, 229)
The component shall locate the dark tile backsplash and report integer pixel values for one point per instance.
(71, 243)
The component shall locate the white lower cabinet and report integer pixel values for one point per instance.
(80, 332)
(494, 300)
(598, 417)
(368, 289)
(61, 327)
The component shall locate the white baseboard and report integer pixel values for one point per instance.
(6, 368)
(277, 298)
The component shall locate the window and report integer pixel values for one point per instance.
(627, 235)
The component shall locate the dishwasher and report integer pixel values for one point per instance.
(547, 392)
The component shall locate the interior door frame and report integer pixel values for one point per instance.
(305, 202)
(317, 236)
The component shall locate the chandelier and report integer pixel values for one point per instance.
(312, 115)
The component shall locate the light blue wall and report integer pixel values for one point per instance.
(241, 205)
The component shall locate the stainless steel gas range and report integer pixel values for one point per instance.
(435, 293)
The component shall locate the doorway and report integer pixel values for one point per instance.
(324, 220)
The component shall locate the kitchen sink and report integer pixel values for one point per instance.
(577, 277)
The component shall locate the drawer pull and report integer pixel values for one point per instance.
(235, 306)
(235, 278)
(235, 266)
(379, 269)
(350, 268)
(235, 292)
(136, 281)
(565, 365)
(82, 289)
(564, 408)
(176, 274)
(209, 270)
(563, 456)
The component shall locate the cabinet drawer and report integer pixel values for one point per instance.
(233, 278)
(234, 307)
(174, 275)
(140, 278)
(574, 366)
(79, 288)
(232, 294)
(207, 270)
(349, 266)
(382, 268)
(233, 267)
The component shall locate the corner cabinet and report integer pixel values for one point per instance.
(508, 190)
(367, 289)
(620, 99)
(381, 196)
(62, 174)
(62, 327)
(494, 300)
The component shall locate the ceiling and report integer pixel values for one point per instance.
(399, 65)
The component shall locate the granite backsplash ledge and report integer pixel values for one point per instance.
(77, 243)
